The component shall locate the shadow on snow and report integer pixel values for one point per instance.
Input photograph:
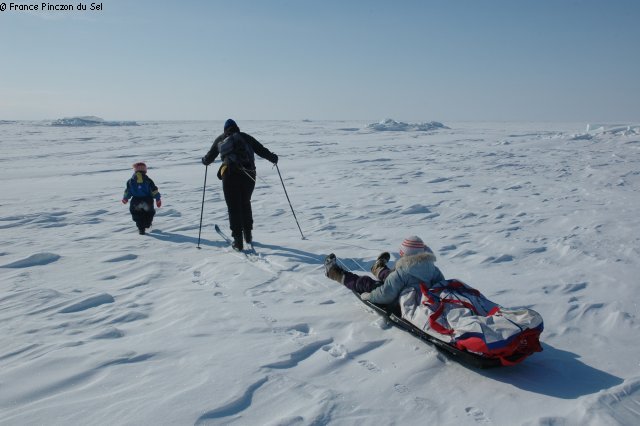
(179, 238)
(291, 253)
(557, 373)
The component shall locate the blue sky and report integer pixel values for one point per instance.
(447, 60)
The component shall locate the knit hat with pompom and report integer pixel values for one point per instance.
(413, 245)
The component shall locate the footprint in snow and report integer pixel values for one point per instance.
(197, 279)
(369, 366)
(268, 319)
(381, 323)
(258, 304)
(298, 330)
(336, 350)
(401, 388)
(477, 415)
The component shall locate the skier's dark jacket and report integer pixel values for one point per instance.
(139, 186)
(237, 153)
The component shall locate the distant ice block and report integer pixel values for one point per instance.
(399, 126)
(613, 128)
(89, 120)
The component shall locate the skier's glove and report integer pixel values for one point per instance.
(158, 203)
(365, 296)
(204, 161)
(125, 201)
(274, 159)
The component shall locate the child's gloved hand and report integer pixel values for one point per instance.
(158, 203)
(125, 201)
(365, 296)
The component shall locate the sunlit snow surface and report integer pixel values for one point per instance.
(100, 325)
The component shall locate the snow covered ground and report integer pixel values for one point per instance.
(100, 325)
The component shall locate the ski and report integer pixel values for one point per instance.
(249, 251)
(223, 235)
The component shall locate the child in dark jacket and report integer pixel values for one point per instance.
(142, 191)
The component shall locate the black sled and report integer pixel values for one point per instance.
(392, 315)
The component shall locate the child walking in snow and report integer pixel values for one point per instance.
(142, 191)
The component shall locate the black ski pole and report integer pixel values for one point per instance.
(204, 187)
(285, 193)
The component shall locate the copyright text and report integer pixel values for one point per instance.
(49, 7)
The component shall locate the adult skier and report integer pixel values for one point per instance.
(238, 175)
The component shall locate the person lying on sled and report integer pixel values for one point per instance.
(446, 310)
(415, 266)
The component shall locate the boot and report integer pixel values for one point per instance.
(380, 264)
(237, 241)
(332, 270)
(247, 236)
(141, 231)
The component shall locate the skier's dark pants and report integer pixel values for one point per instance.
(142, 211)
(364, 283)
(238, 188)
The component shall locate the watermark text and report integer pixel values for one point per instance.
(50, 7)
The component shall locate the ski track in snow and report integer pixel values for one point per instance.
(149, 329)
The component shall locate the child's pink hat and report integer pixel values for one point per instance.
(140, 167)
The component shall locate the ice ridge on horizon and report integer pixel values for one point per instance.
(393, 125)
(89, 120)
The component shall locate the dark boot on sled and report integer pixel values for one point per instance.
(332, 270)
(380, 264)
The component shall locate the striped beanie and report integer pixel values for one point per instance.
(413, 245)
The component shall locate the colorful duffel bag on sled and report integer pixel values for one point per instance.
(460, 315)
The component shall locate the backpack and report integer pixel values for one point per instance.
(236, 152)
(460, 315)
